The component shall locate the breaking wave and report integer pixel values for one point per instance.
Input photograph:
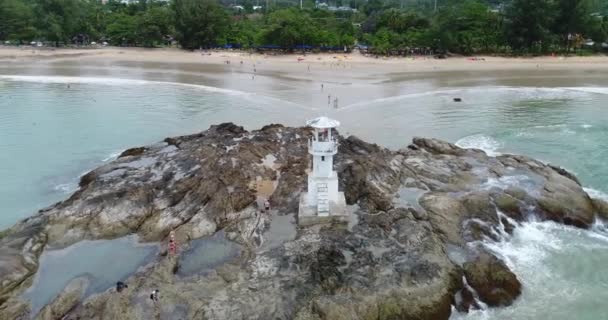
(532, 92)
(480, 141)
(113, 82)
(596, 194)
(127, 82)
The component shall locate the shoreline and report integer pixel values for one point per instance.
(353, 63)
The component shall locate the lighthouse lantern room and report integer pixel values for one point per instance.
(323, 202)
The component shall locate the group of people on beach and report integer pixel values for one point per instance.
(329, 98)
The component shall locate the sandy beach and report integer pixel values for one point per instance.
(350, 63)
(311, 80)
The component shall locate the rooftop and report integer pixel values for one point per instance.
(323, 123)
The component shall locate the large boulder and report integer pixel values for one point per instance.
(446, 214)
(495, 284)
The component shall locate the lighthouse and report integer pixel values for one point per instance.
(323, 201)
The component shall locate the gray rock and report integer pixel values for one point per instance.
(67, 299)
(390, 264)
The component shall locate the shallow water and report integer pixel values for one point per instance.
(281, 230)
(207, 253)
(104, 262)
(50, 134)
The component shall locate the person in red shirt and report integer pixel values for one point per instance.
(172, 244)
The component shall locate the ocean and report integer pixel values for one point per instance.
(54, 128)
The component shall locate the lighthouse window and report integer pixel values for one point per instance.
(322, 158)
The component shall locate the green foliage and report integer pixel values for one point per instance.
(16, 21)
(289, 28)
(388, 26)
(154, 25)
(528, 24)
(468, 27)
(122, 30)
(199, 23)
(61, 19)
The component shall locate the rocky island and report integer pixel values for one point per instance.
(413, 250)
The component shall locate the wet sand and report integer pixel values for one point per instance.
(312, 80)
(351, 63)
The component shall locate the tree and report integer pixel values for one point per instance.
(467, 27)
(153, 25)
(199, 23)
(243, 32)
(123, 29)
(598, 31)
(528, 24)
(16, 21)
(289, 28)
(573, 18)
(60, 20)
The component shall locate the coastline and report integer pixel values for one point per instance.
(352, 63)
(282, 77)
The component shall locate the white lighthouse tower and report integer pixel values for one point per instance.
(323, 201)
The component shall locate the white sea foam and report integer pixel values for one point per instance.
(531, 92)
(111, 156)
(597, 90)
(127, 82)
(113, 82)
(66, 187)
(551, 126)
(596, 194)
(480, 141)
(551, 260)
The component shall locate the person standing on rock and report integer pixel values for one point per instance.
(154, 295)
(121, 286)
(172, 244)
(267, 206)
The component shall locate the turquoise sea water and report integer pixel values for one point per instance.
(53, 129)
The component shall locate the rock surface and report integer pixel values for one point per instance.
(65, 301)
(492, 280)
(419, 216)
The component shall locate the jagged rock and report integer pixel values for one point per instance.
(509, 205)
(565, 173)
(446, 215)
(465, 301)
(389, 263)
(567, 203)
(15, 309)
(133, 152)
(495, 284)
(601, 208)
(437, 146)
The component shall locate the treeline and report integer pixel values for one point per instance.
(456, 26)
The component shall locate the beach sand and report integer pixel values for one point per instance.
(349, 62)
(312, 80)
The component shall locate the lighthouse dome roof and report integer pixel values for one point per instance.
(323, 123)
